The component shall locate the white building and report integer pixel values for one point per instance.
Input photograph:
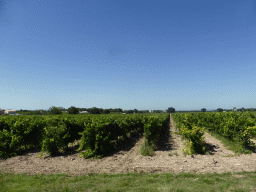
(83, 112)
(10, 112)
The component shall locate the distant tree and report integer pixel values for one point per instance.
(116, 110)
(95, 110)
(101, 110)
(203, 109)
(170, 110)
(54, 110)
(37, 112)
(135, 111)
(220, 110)
(106, 111)
(61, 108)
(129, 111)
(73, 110)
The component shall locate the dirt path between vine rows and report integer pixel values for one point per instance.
(128, 159)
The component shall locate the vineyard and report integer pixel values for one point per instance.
(182, 143)
(98, 134)
(237, 127)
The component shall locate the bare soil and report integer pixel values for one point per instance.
(128, 159)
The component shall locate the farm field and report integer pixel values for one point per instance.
(127, 162)
(128, 159)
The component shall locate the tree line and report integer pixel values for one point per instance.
(94, 110)
(75, 110)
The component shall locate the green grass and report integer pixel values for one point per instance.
(147, 150)
(244, 181)
(175, 153)
(231, 145)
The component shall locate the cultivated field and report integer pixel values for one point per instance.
(168, 158)
(127, 170)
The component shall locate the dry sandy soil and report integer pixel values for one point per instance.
(128, 159)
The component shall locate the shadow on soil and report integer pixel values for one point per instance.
(123, 145)
(69, 151)
(252, 148)
(128, 144)
(164, 142)
(210, 148)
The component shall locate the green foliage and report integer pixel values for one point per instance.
(95, 110)
(170, 110)
(101, 134)
(54, 139)
(186, 123)
(195, 139)
(234, 146)
(203, 110)
(237, 127)
(152, 128)
(220, 110)
(98, 137)
(19, 132)
(8, 143)
(117, 110)
(106, 111)
(129, 111)
(73, 110)
(147, 150)
(55, 110)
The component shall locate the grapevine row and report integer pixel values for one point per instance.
(99, 134)
(236, 127)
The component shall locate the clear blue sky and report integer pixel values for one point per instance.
(128, 54)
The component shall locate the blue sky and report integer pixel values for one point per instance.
(128, 54)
